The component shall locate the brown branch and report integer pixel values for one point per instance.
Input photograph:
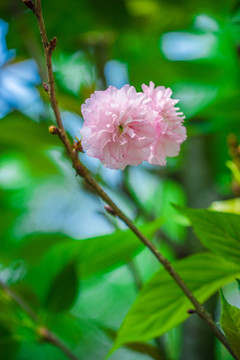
(85, 174)
(21, 303)
(44, 333)
(51, 338)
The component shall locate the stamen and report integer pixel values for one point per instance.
(120, 128)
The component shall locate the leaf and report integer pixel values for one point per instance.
(238, 283)
(161, 304)
(8, 343)
(103, 253)
(63, 289)
(15, 128)
(141, 348)
(172, 191)
(230, 322)
(96, 254)
(34, 246)
(219, 232)
(18, 133)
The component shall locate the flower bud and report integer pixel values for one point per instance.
(53, 130)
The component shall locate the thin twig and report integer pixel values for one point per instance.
(21, 303)
(51, 338)
(85, 174)
(44, 333)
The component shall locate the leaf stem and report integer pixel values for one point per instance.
(44, 333)
(85, 174)
(21, 303)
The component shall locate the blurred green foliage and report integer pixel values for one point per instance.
(74, 264)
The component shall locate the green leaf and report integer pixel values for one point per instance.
(15, 128)
(20, 134)
(34, 246)
(138, 347)
(219, 232)
(161, 304)
(230, 322)
(238, 283)
(8, 343)
(96, 254)
(103, 253)
(172, 191)
(63, 289)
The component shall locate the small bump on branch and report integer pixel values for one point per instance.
(53, 130)
(191, 311)
(53, 44)
(29, 3)
(42, 332)
(77, 145)
(46, 87)
(110, 210)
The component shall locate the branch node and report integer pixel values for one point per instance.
(43, 334)
(53, 130)
(29, 3)
(110, 210)
(77, 145)
(191, 311)
(53, 44)
(46, 87)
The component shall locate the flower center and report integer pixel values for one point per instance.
(120, 128)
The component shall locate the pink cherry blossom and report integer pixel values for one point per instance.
(118, 127)
(170, 132)
(124, 127)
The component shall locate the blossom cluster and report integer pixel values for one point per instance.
(125, 127)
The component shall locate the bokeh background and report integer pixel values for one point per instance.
(83, 289)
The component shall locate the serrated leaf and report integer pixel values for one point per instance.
(63, 289)
(161, 304)
(219, 232)
(230, 323)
